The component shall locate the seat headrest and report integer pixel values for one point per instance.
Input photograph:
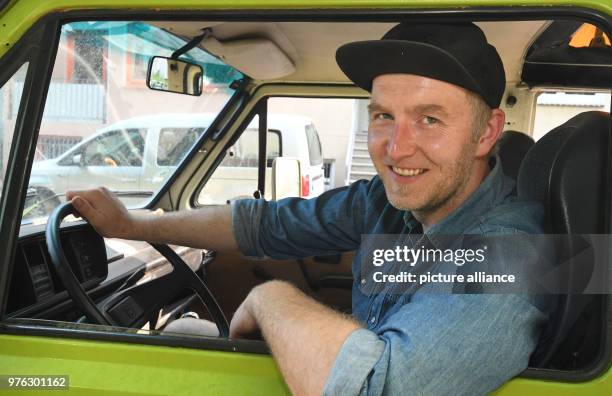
(566, 170)
(511, 148)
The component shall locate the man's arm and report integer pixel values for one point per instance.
(304, 335)
(295, 227)
(209, 228)
(438, 344)
(292, 227)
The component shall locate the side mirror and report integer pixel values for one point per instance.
(286, 178)
(173, 75)
(76, 159)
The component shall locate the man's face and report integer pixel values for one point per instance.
(421, 140)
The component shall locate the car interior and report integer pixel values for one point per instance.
(66, 278)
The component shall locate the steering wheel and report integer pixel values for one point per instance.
(133, 305)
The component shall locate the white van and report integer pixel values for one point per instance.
(289, 136)
(134, 157)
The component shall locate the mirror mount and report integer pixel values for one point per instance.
(176, 75)
(191, 44)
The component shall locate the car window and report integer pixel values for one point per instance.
(273, 146)
(245, 152)
(314, 145)
(10, 97)
(237, 175)
(102, 126)
(554, 107)
(332, 139)
(174, 144)
(115, 148)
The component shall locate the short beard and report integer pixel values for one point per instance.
(457, 178)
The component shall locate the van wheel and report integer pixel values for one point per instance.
(40, 201)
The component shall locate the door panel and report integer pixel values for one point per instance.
(231, 276)
(132, 369)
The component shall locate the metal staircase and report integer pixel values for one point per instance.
(360, 166)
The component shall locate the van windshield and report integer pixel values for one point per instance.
(103, 126)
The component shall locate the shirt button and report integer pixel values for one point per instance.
(372, 319)
(363, 281)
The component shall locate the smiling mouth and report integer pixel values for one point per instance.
(408, 171)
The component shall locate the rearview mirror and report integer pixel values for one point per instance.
(173, 75)
(286, 178)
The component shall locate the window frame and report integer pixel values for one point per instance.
(38, 48)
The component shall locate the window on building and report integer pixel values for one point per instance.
(88, 57)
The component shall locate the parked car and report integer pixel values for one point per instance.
(262, 49)
(134, 157)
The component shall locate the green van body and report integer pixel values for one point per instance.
(103, 367)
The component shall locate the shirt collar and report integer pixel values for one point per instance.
(493, 189)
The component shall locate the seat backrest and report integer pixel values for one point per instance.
(511, 148)
(566, 170)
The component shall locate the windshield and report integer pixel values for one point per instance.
(102, 126)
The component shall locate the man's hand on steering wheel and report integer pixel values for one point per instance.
(110, 218)
(105, 212)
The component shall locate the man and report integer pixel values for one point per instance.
(434, 121)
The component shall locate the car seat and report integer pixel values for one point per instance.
(567, 170)
(511, 149)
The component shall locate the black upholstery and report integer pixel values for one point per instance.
(511, 148)
(566, 170)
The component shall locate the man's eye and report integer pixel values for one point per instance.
(382, 116)
(427, 120)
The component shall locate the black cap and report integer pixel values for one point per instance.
(457, 53)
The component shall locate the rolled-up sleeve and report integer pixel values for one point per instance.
(440, 345)
(349, 374)
(296, 227)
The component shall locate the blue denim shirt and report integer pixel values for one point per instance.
(418, 343)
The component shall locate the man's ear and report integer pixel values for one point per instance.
(492, 132)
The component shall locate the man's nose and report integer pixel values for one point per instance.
(403, 142)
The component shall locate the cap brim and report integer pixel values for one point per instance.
(363, 61)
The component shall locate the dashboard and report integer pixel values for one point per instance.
(101, 265)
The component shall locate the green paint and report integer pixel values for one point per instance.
(2, 118)
(97, 367)
(17, 18)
